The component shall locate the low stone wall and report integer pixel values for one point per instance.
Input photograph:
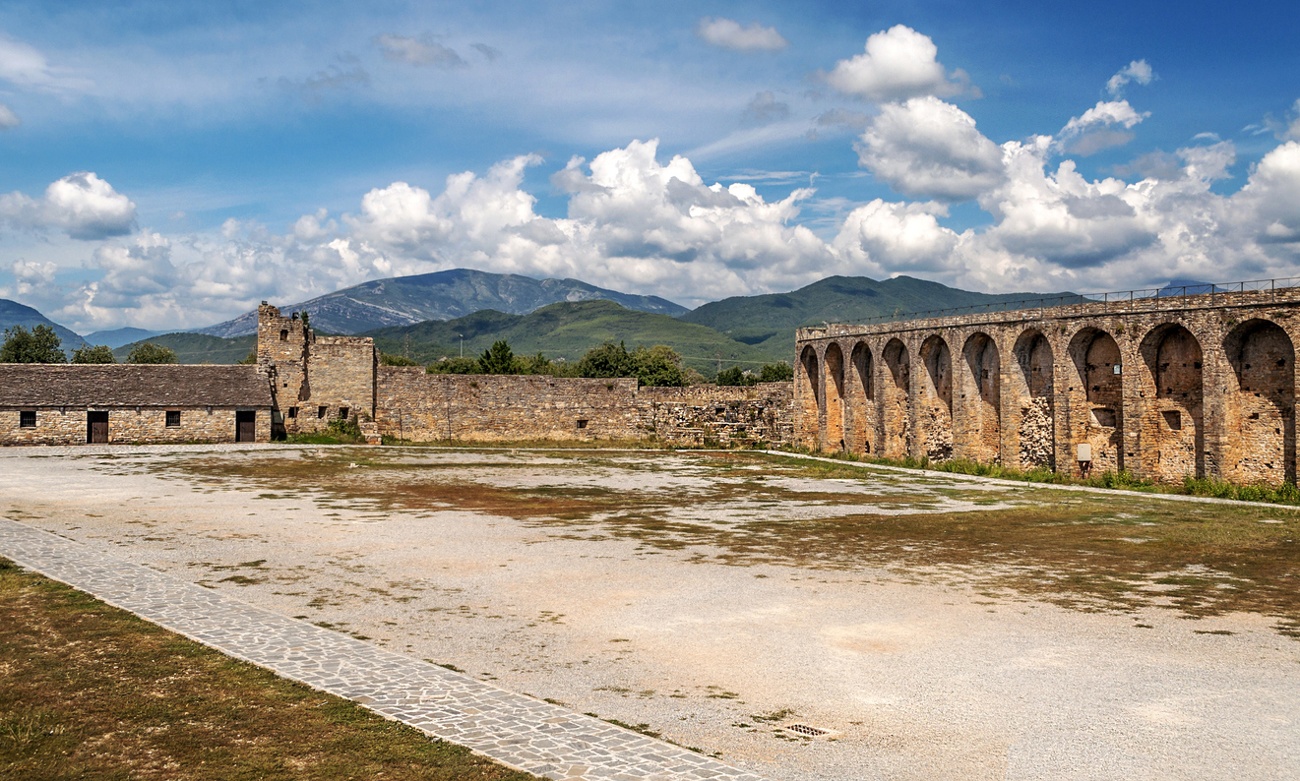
(718, 415)
(420, 407)
(68, 427)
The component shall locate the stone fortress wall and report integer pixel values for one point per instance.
(317, 379)
(1165, 387)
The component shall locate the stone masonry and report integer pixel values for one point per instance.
(1165, 387)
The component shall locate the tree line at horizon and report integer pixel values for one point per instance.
(43, 345)
(659, 366)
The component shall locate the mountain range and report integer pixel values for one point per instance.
(442, 295)
(463, 311)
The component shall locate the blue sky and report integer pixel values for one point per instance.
(170, 164)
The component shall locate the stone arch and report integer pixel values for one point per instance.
(980, 435)
(807, 382)
(895, 392)
(833, 377)
(934, 405)
(1097, 402)
(1173, 430)
(860, 399)
(1032, 385)
(1259, 405)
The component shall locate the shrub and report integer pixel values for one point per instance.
(97, 354)
(148, 352)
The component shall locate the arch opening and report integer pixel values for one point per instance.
(807, 384)
(896, 417)
(1173, 442)
(934, 406)
(981, 397)
(1259, 412)
(1035, 407)
(1097, 403)
(833, 377)
(860, 399)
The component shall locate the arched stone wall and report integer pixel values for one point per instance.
(1164, 387)
(934, 402)
(833, 377)
(979, 430)
(806, 398)
(860, 400)
(895, 401)
(1097, 400)
(1032, 401)
(1173, 439)
(1259, 405)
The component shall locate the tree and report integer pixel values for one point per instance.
(607, 360)
(776, 372)
(388, 359)
(39, 345)
(735, 376)
(659, 366)
(497, 359)
(100, 353)
(453, 366)
(148, 352)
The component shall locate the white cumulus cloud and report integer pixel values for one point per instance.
(898, 63)
(1137, 71)
(730, 34)
(928, 148)
(887, 238)
(1100, 127)
(80, 204)
(8, 119)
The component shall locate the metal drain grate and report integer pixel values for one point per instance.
(806, 731)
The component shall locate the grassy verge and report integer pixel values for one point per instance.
(1287, 493)
(89, 691)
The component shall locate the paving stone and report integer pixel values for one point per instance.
(511, 728)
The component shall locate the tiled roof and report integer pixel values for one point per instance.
(131, 385)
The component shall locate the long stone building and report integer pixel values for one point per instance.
(1164, 387)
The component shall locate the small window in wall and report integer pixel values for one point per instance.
(27, 418)
(320, 411)
(284, 334)
(343, 413)
(293, 412)
(173, 418)
(1173, 419)
(582, 423)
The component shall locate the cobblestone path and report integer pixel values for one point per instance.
(511, 728)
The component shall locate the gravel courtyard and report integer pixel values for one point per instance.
(931, 627)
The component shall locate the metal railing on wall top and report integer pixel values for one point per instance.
(1171, 292)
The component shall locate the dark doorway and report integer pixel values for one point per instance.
(96, 428)
(245, 426)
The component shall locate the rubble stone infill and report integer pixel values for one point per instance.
(513, 729)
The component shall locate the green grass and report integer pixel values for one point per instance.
(90, 691)
(1125, 480)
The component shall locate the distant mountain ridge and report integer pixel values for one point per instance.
(13, 313)
(769, 321)
(567, 331)
(442, 295)
(119, 336)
